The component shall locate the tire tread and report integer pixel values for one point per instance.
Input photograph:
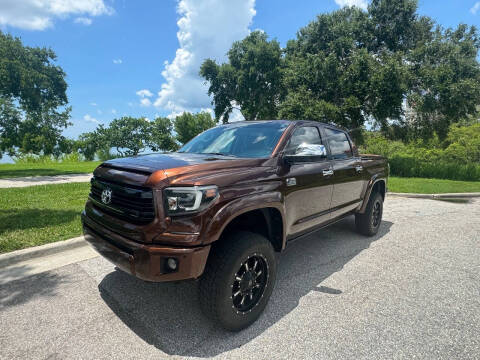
(221, 256)
(362, 221)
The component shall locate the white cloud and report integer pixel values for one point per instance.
(236, 115)
(114, 111)
(144, 93)
(93, 103)
(145, 102)
(475, 8)
(83, 20)
(117, 61)
(362, 4)
(40, 14)
(206, 30)
(89, 118)
(144, 97)
(100, 112)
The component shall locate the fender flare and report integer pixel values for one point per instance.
(374, 180)
(240, 206)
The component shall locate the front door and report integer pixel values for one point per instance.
(308, 185)
(347, 178)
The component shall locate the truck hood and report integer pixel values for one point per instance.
(154, 162)
(189, 167)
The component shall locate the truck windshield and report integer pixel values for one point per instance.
(247, 140)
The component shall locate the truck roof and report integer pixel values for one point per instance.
(283, 121)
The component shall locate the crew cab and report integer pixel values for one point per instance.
(218, 209)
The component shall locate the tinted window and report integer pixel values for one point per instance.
(303, 135)
(339, 144)
(249, 140)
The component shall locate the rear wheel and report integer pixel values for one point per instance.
(238, 280)
(369, 222)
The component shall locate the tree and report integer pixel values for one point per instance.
(189, 125)
(10, 121)
(331, 75)
(250, 81)
(91, 143)
(396, 26)
(161, 135)
(351, 66)
(33, 98)
(445, 85)
(128, 135)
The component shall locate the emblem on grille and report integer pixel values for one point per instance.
(107, 196)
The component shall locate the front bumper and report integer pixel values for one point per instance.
(147, 262)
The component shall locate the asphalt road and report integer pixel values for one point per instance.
(413, 291)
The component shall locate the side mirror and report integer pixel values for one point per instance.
(307, 153)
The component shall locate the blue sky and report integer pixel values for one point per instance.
(141, 57)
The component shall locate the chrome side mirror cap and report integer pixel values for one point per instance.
(311, 150)
(307, 153)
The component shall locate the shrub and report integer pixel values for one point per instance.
(458, 158)
(48, 159)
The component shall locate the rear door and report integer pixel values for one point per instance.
(308, 185)
(347, 174)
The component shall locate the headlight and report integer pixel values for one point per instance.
(185, 200)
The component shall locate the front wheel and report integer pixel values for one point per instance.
(238, 280)
(369, 222)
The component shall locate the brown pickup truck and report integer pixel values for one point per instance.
(220, 208)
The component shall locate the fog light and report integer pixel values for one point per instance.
(172, 263)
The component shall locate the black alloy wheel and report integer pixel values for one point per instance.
(238, 280)
(376, 215)
(369, 222)
(249, 283)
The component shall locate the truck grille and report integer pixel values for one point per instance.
(128, 202)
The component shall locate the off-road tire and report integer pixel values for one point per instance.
(368, 223)
(217, 283)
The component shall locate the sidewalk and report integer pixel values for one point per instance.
(43, 180)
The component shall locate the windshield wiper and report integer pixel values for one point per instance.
(219, 153)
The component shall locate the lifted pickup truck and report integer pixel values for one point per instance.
(219, 208)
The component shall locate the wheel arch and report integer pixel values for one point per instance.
(267, 219)
(376, 184)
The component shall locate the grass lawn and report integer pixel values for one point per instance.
(431, 186)
(41, 214)
(61, 168)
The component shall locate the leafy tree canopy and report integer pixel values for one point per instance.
(161, 138)
(189, 125)
(250, 81)
(128, 136)
(387, 66)
(32, 90)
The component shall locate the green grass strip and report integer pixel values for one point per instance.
(431, 186)
(38, 215)
(47, 169)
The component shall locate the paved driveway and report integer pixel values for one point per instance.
(43, 180)
(411, 291)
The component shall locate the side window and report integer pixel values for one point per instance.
(303, 135)
(339, 144)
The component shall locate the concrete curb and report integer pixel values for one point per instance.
(39, 251)
(436, 196)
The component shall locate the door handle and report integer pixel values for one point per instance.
(327, 172)
(359, 168)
